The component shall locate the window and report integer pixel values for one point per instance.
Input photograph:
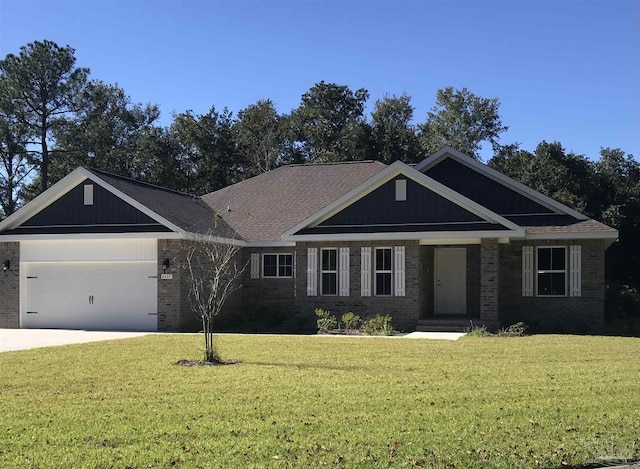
(383, 272)
(329, 272)
(552, 271)
(277, 265)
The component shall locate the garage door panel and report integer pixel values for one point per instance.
(107, 295)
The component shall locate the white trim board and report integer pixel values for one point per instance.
(497, 176)
(440, 236)
(387, 175)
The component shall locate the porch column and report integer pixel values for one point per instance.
(489, 265)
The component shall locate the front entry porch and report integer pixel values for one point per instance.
(459, 286)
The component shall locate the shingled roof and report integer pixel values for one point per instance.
(266, 206)
(183, 210)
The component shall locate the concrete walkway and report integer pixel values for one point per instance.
(24, 339)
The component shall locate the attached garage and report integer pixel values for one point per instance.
(109, 284)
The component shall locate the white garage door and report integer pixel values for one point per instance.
(93, 295)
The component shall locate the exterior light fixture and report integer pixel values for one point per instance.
(6, 265)
(165, 265)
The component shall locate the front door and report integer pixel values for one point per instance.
(450, 281)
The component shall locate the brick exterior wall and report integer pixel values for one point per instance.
(404, 310)
(277, 292)
(489, 282)
(171, 298)
(566, 314)
(10, 286)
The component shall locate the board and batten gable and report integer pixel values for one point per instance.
(401, 204)
(481, 189)
(71, 213)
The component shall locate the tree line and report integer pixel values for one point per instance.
(54, 117)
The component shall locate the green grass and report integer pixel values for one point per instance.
(541, 401)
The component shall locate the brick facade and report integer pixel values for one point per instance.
(494, 287)
(489, 282)
(565, 314)
(10, 285)
(403, 309)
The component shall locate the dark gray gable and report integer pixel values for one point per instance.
(484, 190)
(379, 212)
(108, 214)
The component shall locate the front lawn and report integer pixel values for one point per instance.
(541, 401)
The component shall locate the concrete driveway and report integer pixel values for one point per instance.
(23, 339)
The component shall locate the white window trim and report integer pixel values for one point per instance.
(277, 254)
(565, 271)
(322, 272)
(376, 271)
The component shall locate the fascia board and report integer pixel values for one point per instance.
(417, 235)
(581, 235)
(270, 244)
(204, 238)
(386, 175)
(433, 159)
(49, 237)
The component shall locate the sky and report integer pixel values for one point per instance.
(563, 70)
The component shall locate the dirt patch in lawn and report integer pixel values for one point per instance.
(185, 362)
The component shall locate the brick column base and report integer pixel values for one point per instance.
(489, 265)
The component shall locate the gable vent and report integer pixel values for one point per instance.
(401, 190)
(88, 194)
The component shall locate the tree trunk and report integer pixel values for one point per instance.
(44, 166)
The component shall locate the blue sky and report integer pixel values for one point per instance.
(564, 70)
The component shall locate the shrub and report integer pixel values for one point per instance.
(518, 329)
(378, 325)
(351, 321)
(326, 322)
(477, 331)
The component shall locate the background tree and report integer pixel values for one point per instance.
(42, 83)
(393, 136)
(106, 132)
(463, 121)
(260, 135)
(213, 271)
(15, 164)
(565, 177)
(329, 123)
(207, 147)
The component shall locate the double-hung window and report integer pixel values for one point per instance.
(551, 271)
(329, 272)
(383, 272)
(277, 265)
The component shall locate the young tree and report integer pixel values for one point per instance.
(463, 121)
(213, 268)
(42, 83)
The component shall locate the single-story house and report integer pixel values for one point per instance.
(435, 245)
